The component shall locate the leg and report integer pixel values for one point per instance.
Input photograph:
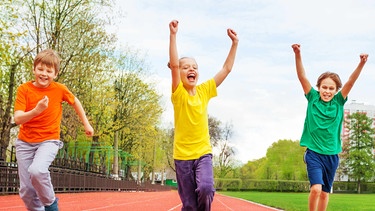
(186, 184)
(25, 154)
(205, 182)
(314, 167)
(323, 201)
(314, 197)
(39, 173)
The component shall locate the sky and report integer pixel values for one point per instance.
(262, 97)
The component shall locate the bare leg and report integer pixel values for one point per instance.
(314, 196)
(323, 201)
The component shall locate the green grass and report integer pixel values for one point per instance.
(299, 201)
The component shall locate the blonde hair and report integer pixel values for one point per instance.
(50, 58)
(185, 57)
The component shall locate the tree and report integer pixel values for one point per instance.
(226, 151)
(252, 168)
(106, 79)
(360, 158)
(223, 151)
(284, 162)
(12, 58)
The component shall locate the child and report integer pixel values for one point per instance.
(38, 110)
(192, 150)
(322, 128)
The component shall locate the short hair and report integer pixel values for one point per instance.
(50, 58)
(334, 76)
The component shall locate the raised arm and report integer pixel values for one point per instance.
(354, 76)
(173, 55)
(81, 114)
(306, 86)
(228, 64)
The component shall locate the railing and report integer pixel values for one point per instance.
(68, 180)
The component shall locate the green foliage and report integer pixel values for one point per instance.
(228, 184)
(352, 187)
(358, 157)
(262, 185)
(250, 169)
(276, 185)
(283, 161)
(107, 79)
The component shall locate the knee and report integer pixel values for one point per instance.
(206, 189)
(324, 195)
(316, 190)
(36, 172)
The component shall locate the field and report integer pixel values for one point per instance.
(298, 201)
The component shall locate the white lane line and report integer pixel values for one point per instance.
(218, 199)
(173, 208)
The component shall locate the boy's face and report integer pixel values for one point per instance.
(44, 75)
(327, 89)
(189, 72)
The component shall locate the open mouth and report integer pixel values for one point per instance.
(191, 77)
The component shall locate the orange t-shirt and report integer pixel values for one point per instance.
(45, 126)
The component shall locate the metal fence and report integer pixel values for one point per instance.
(70, 180)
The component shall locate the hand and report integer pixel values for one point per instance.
(232, 34)
(296, 48)
(363, 57)
(89, 130)
(173, 26)
(42, 105)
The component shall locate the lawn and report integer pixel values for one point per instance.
(298, 201)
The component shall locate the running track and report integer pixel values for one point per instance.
(133, 201)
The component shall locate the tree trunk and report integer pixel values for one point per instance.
(358, 186)
(6, 118)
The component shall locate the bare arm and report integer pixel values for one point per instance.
(306, 86)
(354, 76)
(21, 117)
(228, 64)
(173, 55)
(82, 116)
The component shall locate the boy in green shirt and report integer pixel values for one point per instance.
(322, 129)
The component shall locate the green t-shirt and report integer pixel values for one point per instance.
(323, 124)
(191, 135)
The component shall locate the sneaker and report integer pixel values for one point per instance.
(52, 207)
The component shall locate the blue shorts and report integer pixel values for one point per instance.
(321, 169)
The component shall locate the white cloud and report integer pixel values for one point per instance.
(262, 97)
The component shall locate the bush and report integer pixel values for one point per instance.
(228, 184)
(261, 185)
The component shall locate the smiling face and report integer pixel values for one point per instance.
(327, 89)
(328, 85)
(189, 72)
(44, 75)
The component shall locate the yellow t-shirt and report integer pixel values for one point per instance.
(45, 126)
(191, 135)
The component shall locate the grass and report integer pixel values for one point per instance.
(299, 201)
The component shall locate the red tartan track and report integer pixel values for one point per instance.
(134, 201)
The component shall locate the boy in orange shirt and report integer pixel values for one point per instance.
(38, 111)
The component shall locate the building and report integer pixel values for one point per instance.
(350, 108)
